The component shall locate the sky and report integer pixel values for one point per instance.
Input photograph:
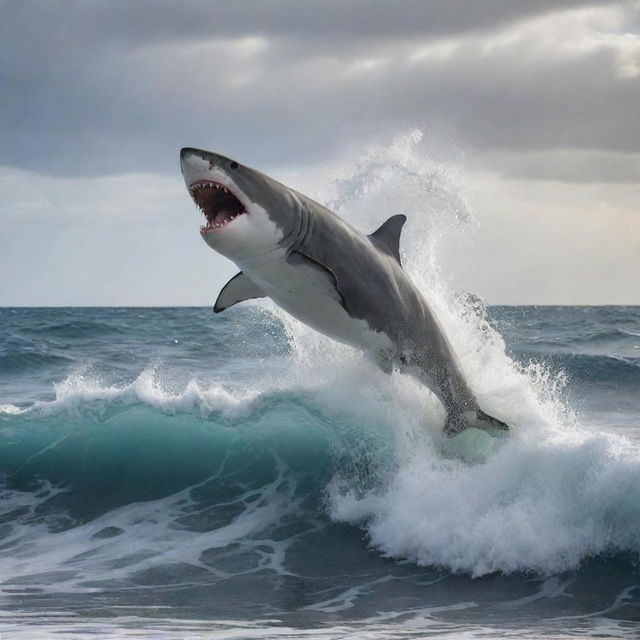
(532, 109)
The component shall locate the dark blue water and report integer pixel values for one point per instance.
(173, 473)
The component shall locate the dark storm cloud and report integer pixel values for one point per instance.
(114, 87)
(87, 22)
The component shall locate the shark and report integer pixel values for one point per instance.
(316, 266)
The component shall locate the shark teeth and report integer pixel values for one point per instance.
(207, 185)
(210, 226)
(219, 205)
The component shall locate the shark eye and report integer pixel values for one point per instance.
(234, 164)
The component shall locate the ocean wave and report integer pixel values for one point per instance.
(166, 488)
(73, 329)
(85, 394)
(599, 331)
(543, 500)
(611, 369)
(91, 426)
(23, 360)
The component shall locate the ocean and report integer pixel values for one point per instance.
(170, 473)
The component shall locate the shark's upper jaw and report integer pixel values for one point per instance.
(217, 202)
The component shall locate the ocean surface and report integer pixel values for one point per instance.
(174, 474)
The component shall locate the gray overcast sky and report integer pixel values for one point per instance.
(531, 108)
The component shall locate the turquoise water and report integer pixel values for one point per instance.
(171, 473)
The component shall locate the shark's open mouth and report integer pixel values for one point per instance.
(217, 203)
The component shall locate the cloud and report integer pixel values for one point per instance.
(125, 24)
(119, 87)
(562, 165)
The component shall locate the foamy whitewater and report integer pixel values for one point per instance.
(170, 473)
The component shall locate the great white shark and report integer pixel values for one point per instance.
(327, 274)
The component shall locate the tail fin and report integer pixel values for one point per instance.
(489, 422)
(458, 422)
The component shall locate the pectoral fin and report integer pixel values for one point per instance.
(238, 289)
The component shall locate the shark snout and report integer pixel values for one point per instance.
(197, 164)
(189, 156)
(187, 151)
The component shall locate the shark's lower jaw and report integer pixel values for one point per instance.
(218, 204)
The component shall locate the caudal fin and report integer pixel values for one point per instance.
(489, 422)
(478, 419)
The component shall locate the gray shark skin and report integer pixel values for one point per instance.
(327, 274)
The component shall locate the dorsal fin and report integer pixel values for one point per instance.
(387, 237)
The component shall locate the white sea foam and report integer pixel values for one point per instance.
(86, 391)
(146, 535)
(11, 410)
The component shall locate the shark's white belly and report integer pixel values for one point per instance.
(308, 293)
